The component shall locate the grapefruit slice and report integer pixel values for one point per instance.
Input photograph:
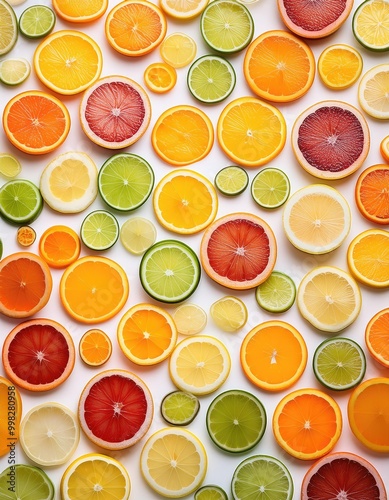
(238, 251)
(342, 475)
(115, 112)
(314, 19)
(115, 409)
(331, 139)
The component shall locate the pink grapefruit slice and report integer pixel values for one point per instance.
(115, 112)
(115, 409)
(238, 251)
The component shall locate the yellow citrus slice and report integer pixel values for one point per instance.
(137, 234)
(339, 66)
(190, 319)
(372, 91)
(178, 50)
(229, 313)
(183, 9)
(75, 11)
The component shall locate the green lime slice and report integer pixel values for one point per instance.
(14, 71)
(210, 492)
(137, 234)
(270, 188)
(262, 477)
(370, 24)
(339, 363)
(227, 26)
(179, 407)
(211, 79)
(125, 181)
(10, 166)
(232, 180)
(20, 201)
(99, 230)
(170, 271)
(236, 421)
(8, 28)
(277, 294)
(25, 482)
(37, 21)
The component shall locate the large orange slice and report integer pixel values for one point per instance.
(372, 193)
(377, 337)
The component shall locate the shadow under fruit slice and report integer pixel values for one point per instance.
(115, 409)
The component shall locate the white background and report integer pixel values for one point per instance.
(291, 261)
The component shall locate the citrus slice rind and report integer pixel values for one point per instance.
(9, 28)
(377, 335)
(372, 193)
(371, 91)
(339, 66)
(369, 25)
(28, 478)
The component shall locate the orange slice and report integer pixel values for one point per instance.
(75, 11)
(59, 246)
(307, 423)
(10, 400)
(93, 289)
(372, 193)
(185, 202)
(147, 334)
(182, 135)
(25, 236)
(273, 355)
(95, 347)
(160, 77)
(377, 337)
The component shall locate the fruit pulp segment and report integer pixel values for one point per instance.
(314, 16)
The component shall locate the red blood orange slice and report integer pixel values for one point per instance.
(331, 139)
(342, 475)
(115, 112)
(115, 409)
(238, 251)
(38, 355)
(314, 19)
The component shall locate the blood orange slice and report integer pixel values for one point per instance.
(38, 355)
(342, 475)
(115, 112)
(238, 251)
(115, 409)
(331, 139)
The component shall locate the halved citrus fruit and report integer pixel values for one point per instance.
(146, 334)
(182, 135)
(372, 193)
(339, 66)
(273, 355)
(251, 132)
(377, 337)
(38, 354)
(372, 90)
(59, 246)
(115, 409)
(185, 201)
(279, 67)
(307, 423)
(74, 11)
(115, 112)
(10, 401)
(238, 251)
(93, 289)
(36, 122)
(95, 347)
(26, 284)
(368, 413)
(331, 139)
(135, 27)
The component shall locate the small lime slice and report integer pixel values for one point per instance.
(25, 482)
(179, 407)
(8, 27)
(262, 473)
(211, 79)
(137, 234)
(37, 21)
(236, 421)
(277, 294)
(170, 271)
(99, 230)
(270, 188)
(190, 319)
(14, 71)
(20, 201)
(10, 166)
(229, 313)
(339, 363)
(210, 492)
(125, 181)
(232, 180)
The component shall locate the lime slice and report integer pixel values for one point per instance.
(37, 21)
(227, 26)
(211, 79)
(14, 71)
(179, 407)
(277, 294)
(170, 271)
(8, 27)
(370, 24)
(270, 188)
(232, 180)
(236, 421)
(125, 181)
(10, 166)
(229, 313)
(99, 230)
(20, 201)
(25, 482)
(339, 363)
(262, 477)
(210, 492)
(137, 234)
(190, 319)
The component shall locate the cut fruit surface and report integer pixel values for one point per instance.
(99, 230)
(190, 319)
(229, 313)
(95, 347)
(37, 21)
(8, 28)
(232, 180)
(210, 492)
(178, 50)
(277, 294)
(183, 9)
(238, 251)
(372, 193)
(270, 188)
(377, 337)
(115, 409)
(75, 12)
(10, 399)
(160, 77)
(339, 66)
(370, 24)
(137, 234)
(10, 166)
(372, 91)
(20, 201)
(31, 483)
(25, 236)
(59, 246)
(179, 407)
(14, 71)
